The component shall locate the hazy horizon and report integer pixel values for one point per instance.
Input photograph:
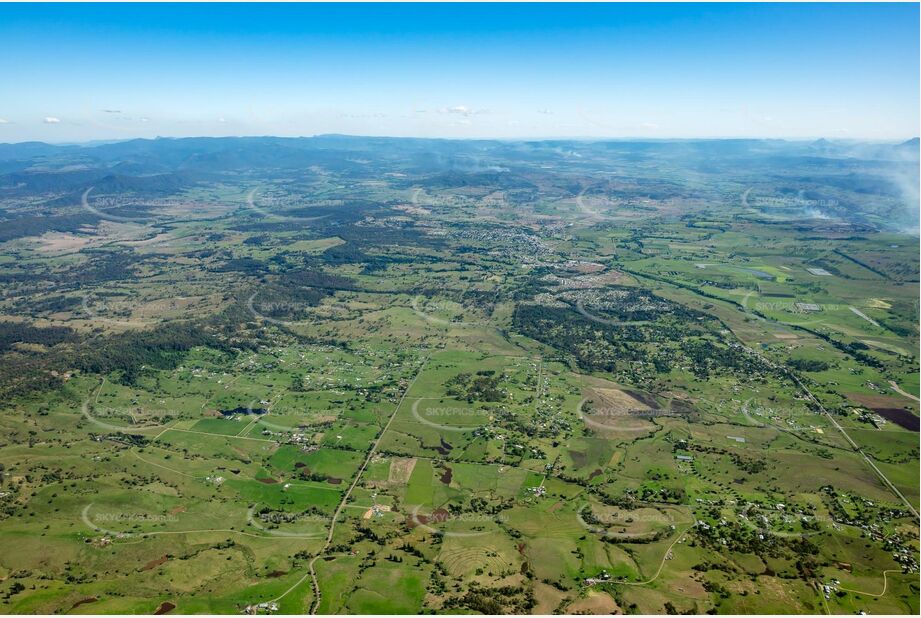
(842, 140)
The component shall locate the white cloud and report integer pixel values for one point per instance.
(222, 120)
(51, 120)
(649, 125)
(112, 111)
(461, 110)
(4, 121)
(545, 111)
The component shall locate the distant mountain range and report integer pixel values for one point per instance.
(208, 151)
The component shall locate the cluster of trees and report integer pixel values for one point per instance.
(245, 265)
(367, 237)
(484, 386)
(159, 348)
(631, 304)
(493, 601)
(807, 364)
(708, 356)
(38, 225)
(27, 370)
(12, 333)
(597, 346)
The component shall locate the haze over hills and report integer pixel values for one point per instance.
(867, 182)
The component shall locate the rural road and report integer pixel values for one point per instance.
(311, 573)
(896, 388)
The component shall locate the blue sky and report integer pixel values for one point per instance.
(84, 72)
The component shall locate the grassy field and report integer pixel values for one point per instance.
(489, 400)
